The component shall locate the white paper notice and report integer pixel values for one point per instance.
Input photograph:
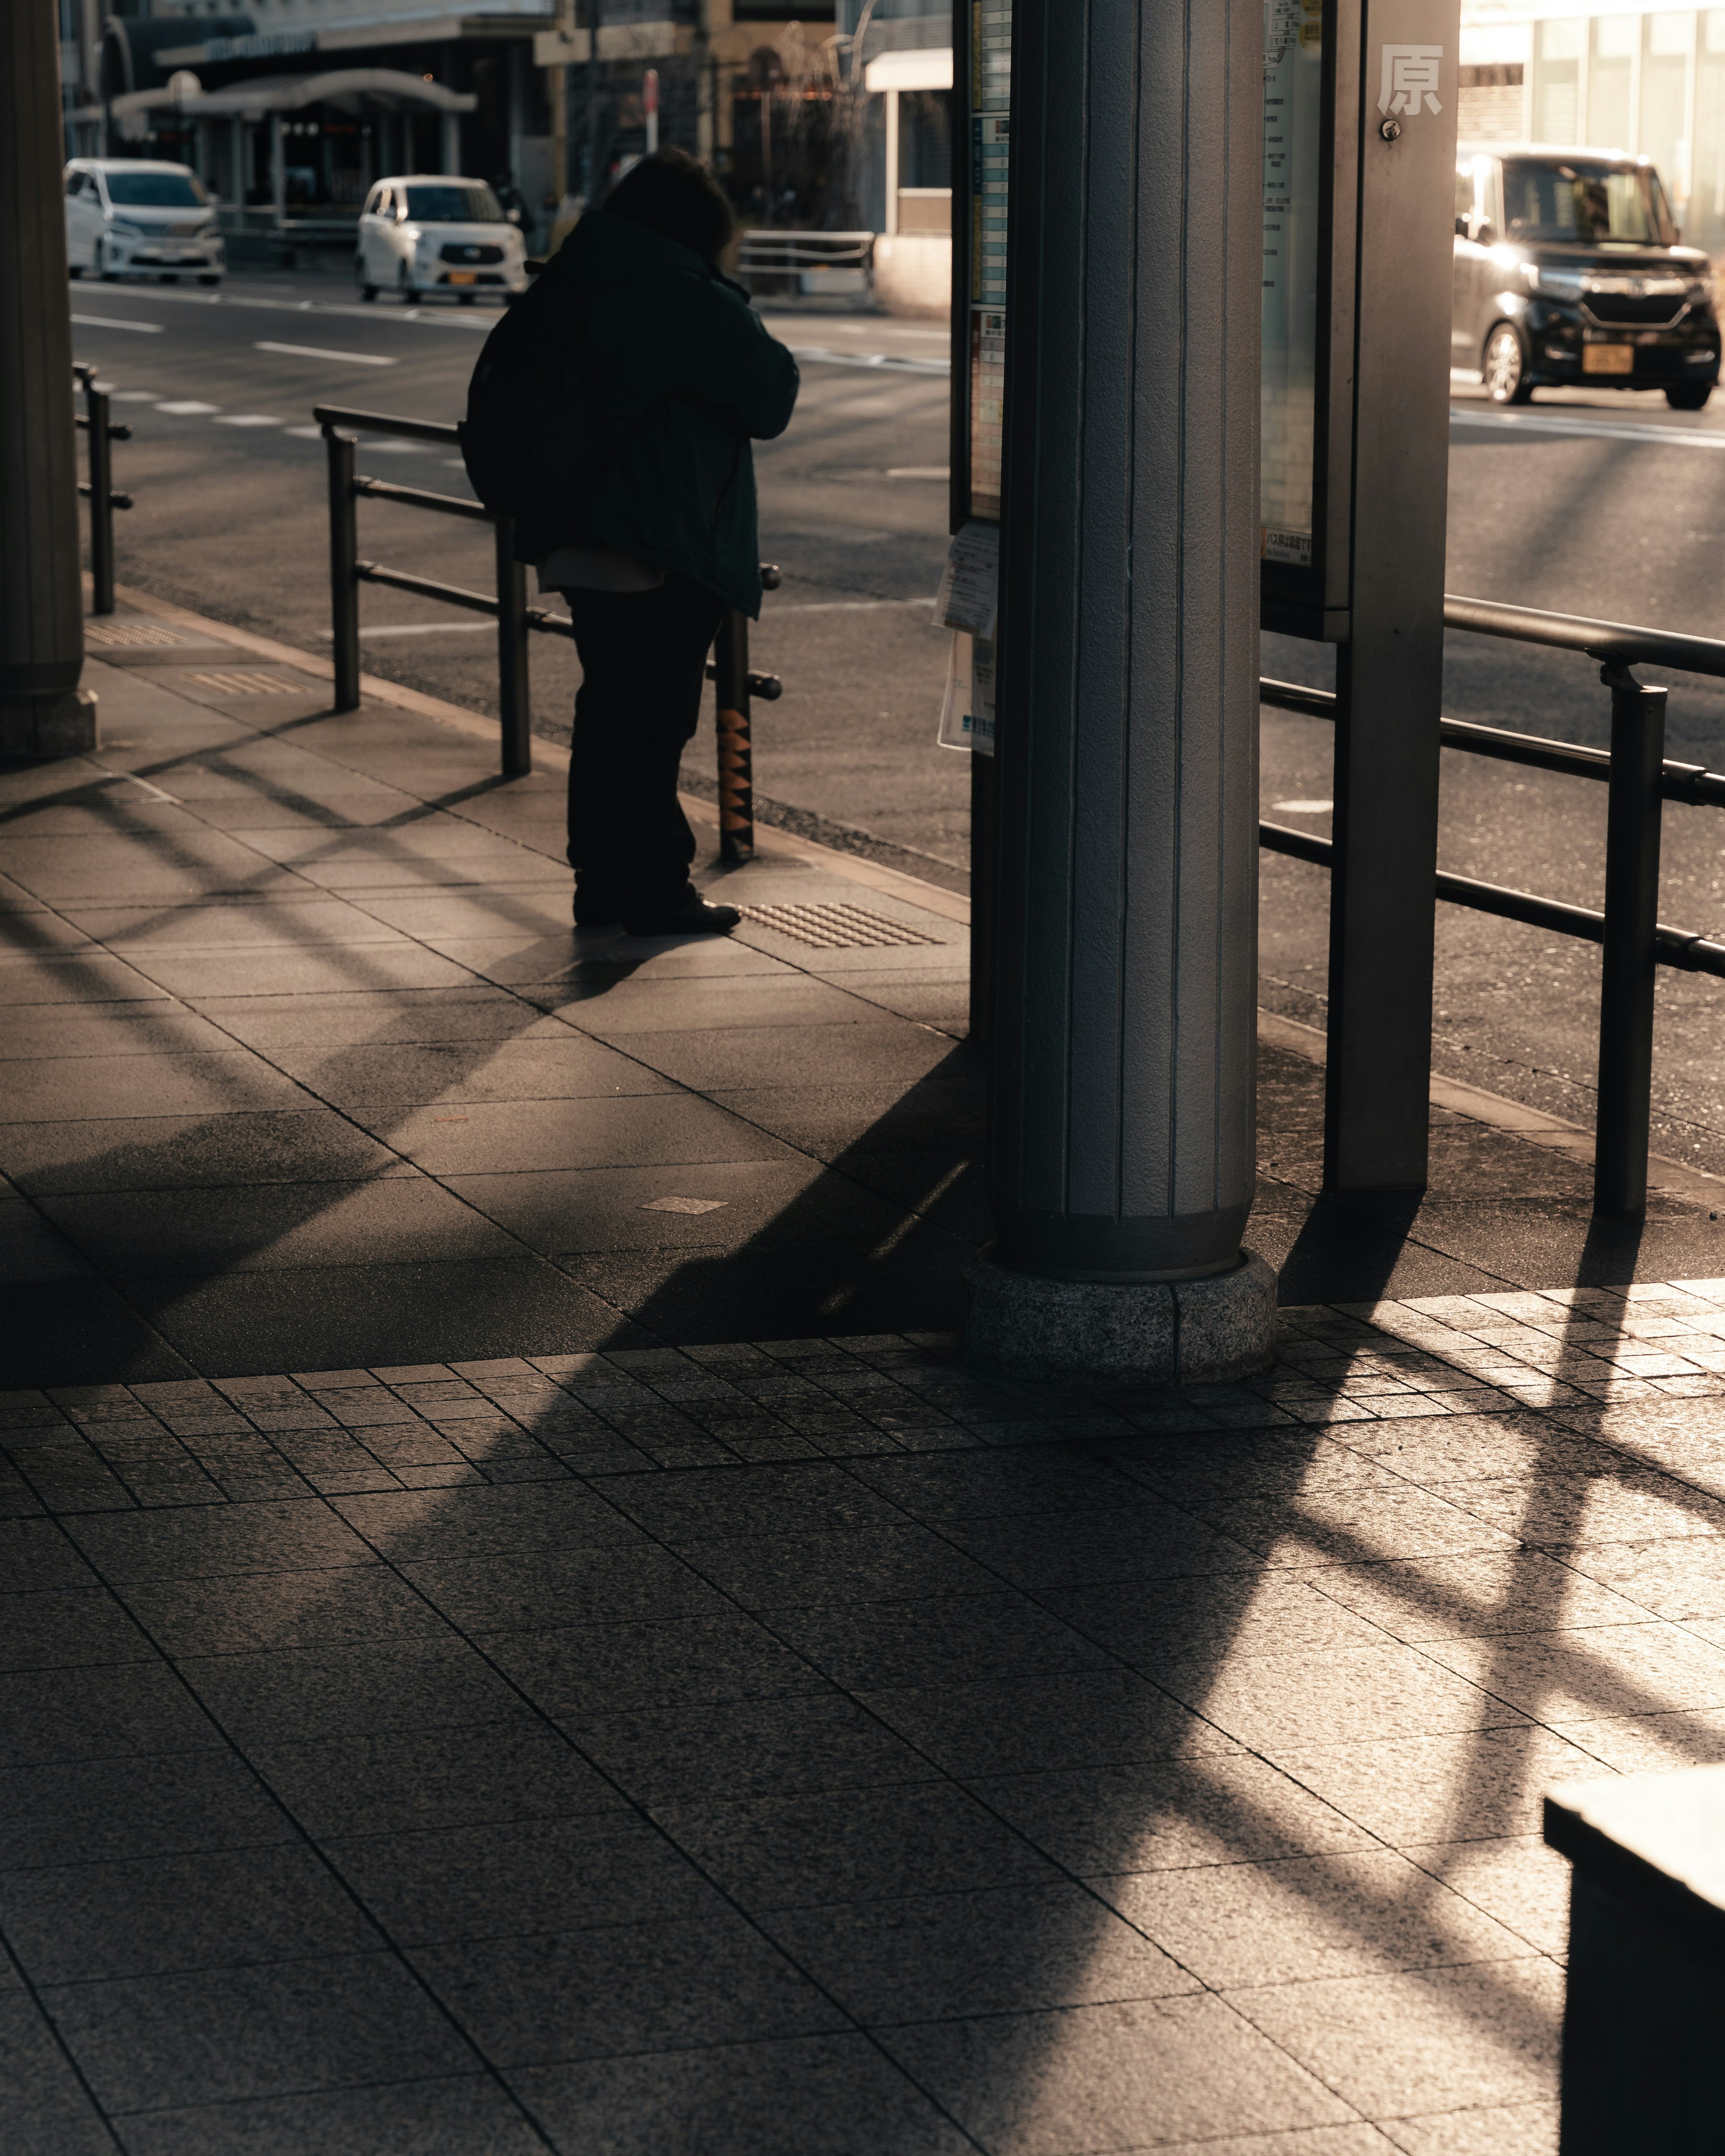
(970, 583)
(968, 710)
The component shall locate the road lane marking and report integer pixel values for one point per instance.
(318, 352)
(249, 419)
(136, 396)
(305, 433)
(454, 318)
(188, 407)
(1302, 808)
(823, 355)
(918, 471)
(113, 322)
(420, 628)
(1605, 430)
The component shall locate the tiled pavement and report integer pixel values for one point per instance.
(780, 1744)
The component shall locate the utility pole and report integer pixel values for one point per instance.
(592, 190)
(43, 710)
(1122, 1107)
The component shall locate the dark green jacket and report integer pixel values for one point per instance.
(686, 372)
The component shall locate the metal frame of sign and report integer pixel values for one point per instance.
(982, 45)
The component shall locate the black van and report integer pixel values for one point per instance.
(1569, 270)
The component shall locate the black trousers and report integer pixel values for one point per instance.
(643, 662)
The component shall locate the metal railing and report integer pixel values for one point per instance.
(805, 253)
(516, 621)
(101, 433)
(1640, 780)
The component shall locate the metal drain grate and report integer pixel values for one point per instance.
(835, 927)
(245, 685)
(104, 632)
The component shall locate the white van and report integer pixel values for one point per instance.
(424, 233)
(131, 217)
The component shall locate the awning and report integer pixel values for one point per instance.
(389, 87)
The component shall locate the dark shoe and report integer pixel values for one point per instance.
(587, 914)
(689, 916)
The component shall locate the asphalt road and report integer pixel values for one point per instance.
(1588, 503)
(231, 518)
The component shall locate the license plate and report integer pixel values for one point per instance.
(464, 276)
(1607, 359)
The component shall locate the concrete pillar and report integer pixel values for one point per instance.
(452, 143)
(278, 171)
(240, 177)
(1122, 1107)
(43, 710)
(889, 223)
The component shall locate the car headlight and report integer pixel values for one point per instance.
(1553, 284)
(124, 224)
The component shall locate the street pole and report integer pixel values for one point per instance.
(43, 710)
(1121, 1098)
(650, 107)
(591, 191)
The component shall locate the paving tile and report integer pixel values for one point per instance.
(852, 1845)
(114, 1713)
(1652, 1743)
(1426, 2041)
(1303, 1918)
(208, 1544)
(835, 2094)
(341, 1605)
(675, 1754)
(1012, 1949)
(1480, 1595)
(97, 1812)
(46, 2110)
(1171, 1624)
(1338, 1696)
(1682, 1579)
(482, 1522)
(1025, 1725)
(46, 1631)
(213, 1909)
(1510, 2129)
(1516, 1879)
(447, 2116)
(739, 1502)
(1345, 1525)
(1091, 1549)
(526, 1137)
(270, 1227)
(530, 1876)
(984, 1486)
(407, 1781)
(39, 1554)
(1219, 1808)
(148, 2043)
(186, 1083)
(150, 1027)
(1134, 2074)
(839, 1565)
(944, 1638)
(1485, 1783)
(541, 1587)
(555, 1063)
(1601, 1672)
(299, 1694)
(580, 1671)
(634, 1987)
(1560, 1512)
(1482, 1448)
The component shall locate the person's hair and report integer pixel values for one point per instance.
(674, 195)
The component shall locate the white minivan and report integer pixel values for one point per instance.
(419, 235)
(131, 217)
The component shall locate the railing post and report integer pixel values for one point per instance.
(1632, 836)
(101, 497)
(737, 784)
(344, 557)
(515, 695)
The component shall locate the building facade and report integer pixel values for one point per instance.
(1649, 81)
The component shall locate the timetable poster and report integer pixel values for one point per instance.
(989, 97)
(1293, 84)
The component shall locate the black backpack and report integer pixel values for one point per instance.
(534, 438)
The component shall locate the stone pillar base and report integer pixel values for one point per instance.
(39, 728)
(44, 728)
(1167, 1332)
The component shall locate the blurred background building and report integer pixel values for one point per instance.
(1651, 82)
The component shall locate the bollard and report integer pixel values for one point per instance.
(515, 695)
(1632, 837)
(737, 786)
(101, 497)
(344, 560)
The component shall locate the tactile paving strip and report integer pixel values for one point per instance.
(246, 684)
(837, 927)
(130, 632)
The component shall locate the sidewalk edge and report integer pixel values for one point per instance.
(894, 883)
(1672, 1177)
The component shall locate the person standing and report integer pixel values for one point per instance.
(682, 375)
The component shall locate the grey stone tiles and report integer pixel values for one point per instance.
(809, 1744)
